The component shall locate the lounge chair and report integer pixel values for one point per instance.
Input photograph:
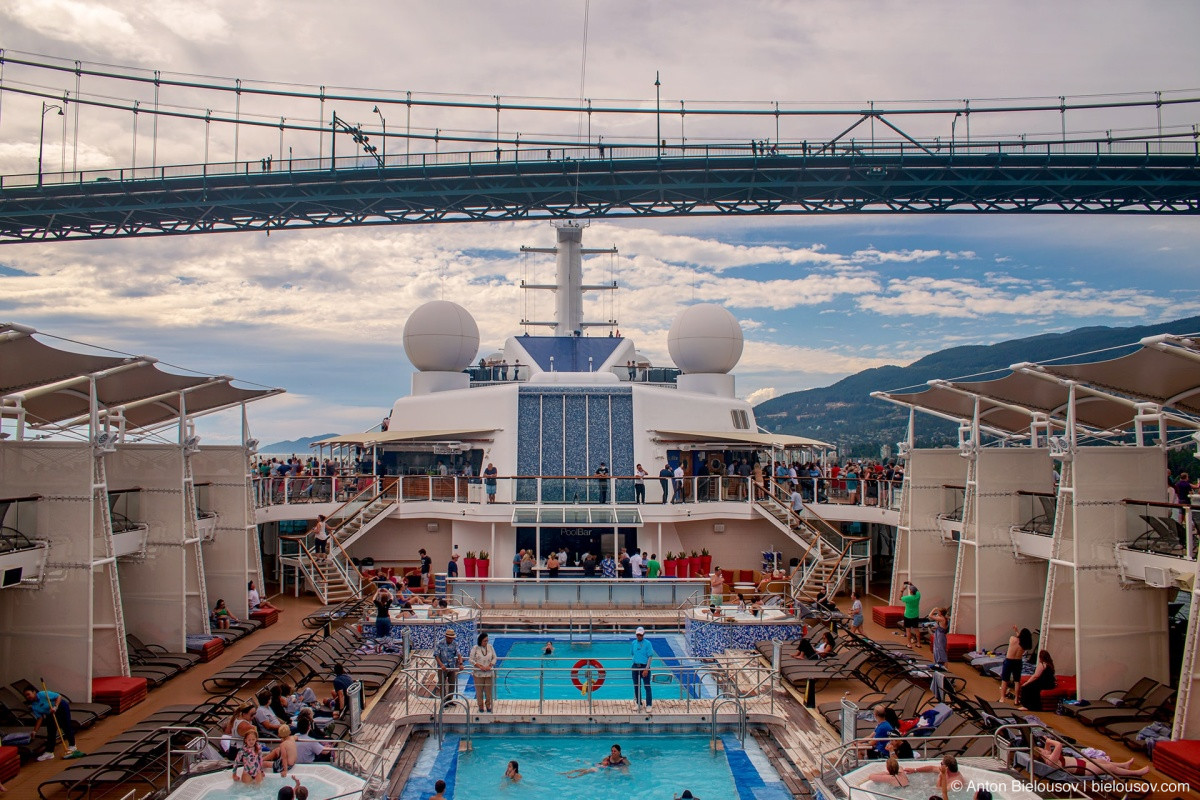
(157, 654)
(1133, 697)
(1158, 700)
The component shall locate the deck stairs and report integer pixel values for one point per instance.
(827, 555)
(335, 577)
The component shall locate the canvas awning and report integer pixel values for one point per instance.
(1092, 408)
(388, 437)
(1163, 374)
(774, 440)
(954, 403)
(51, 388)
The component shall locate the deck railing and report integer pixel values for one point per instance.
(575, 489)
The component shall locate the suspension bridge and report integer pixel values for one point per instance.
(875, 159)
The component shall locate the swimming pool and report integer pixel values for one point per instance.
(522, 665)
(661, 766)
(322, 781)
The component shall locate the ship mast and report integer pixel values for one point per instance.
(569, 286)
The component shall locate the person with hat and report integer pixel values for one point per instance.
(452, 567)
(642, 653)
(449, 662)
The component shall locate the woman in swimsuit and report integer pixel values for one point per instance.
(894, 776)
(613, 759)
(1053, 755)
(249, 759)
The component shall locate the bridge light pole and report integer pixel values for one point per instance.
(384, 121)
(42, 133)
(657, 115)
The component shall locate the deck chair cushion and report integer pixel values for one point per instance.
(1178, 759)
(10, 763)
(887, 616)
(119, 692)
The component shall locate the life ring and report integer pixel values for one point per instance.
(593, 684)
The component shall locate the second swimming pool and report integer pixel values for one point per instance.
(661, 766)
(523, 666)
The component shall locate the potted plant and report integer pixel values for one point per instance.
(483, 565)
(705, 561)
(694, 564)
(469, 564)
(669, 565)
(683, 567)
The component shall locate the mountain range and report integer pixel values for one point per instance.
(293, 446)
(845, 414)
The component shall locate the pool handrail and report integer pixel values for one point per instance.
(686, 675)
(998, 744)
(374, 770)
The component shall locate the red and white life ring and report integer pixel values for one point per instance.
(588, 682)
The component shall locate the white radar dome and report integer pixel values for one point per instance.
(441, 336)
(705, 338)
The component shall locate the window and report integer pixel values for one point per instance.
(741, 419)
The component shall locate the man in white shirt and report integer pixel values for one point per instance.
(678, 497)
(635, 561)
(797, 500)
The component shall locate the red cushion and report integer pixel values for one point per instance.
(10, 763)
(211, 649)
(887, 616)
(1064, 689)
(1178, 759)
(119, 692)
(959, 644)
(268, 617)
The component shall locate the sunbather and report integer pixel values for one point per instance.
(1052, 753)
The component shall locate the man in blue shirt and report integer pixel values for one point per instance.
(341, 682)
(641, 652)
(608, 567)
(54, 711)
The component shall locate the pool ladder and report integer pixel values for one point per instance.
(571, 628)
(457, 698)
(724, 699)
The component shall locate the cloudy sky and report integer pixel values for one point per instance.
(321, 313)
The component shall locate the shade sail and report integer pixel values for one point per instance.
(1165, 375)
(26, 363)
(779, 440)
(52, 387)
(1093, 409)
(955, 404)
(388, 437)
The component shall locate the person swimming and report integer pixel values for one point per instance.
(614, 759)
(513, 773)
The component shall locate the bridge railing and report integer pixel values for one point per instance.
(767, 154)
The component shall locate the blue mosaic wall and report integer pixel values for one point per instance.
(424, 635)
(569, 431)
(706, 639)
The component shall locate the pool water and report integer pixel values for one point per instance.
(660, 767)
(322, 781)
(924, 784)
(521, 664)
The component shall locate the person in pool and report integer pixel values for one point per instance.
(513, 773)
(249, 760)
(949, 778)
(614, 759)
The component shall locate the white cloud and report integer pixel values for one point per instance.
(761, 395)
(969, 299)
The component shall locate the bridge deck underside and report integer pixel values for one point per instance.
(566, 189)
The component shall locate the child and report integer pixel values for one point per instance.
(249, 759)
(438, 788)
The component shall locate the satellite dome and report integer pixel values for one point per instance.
(705, 338)
(441, 336)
